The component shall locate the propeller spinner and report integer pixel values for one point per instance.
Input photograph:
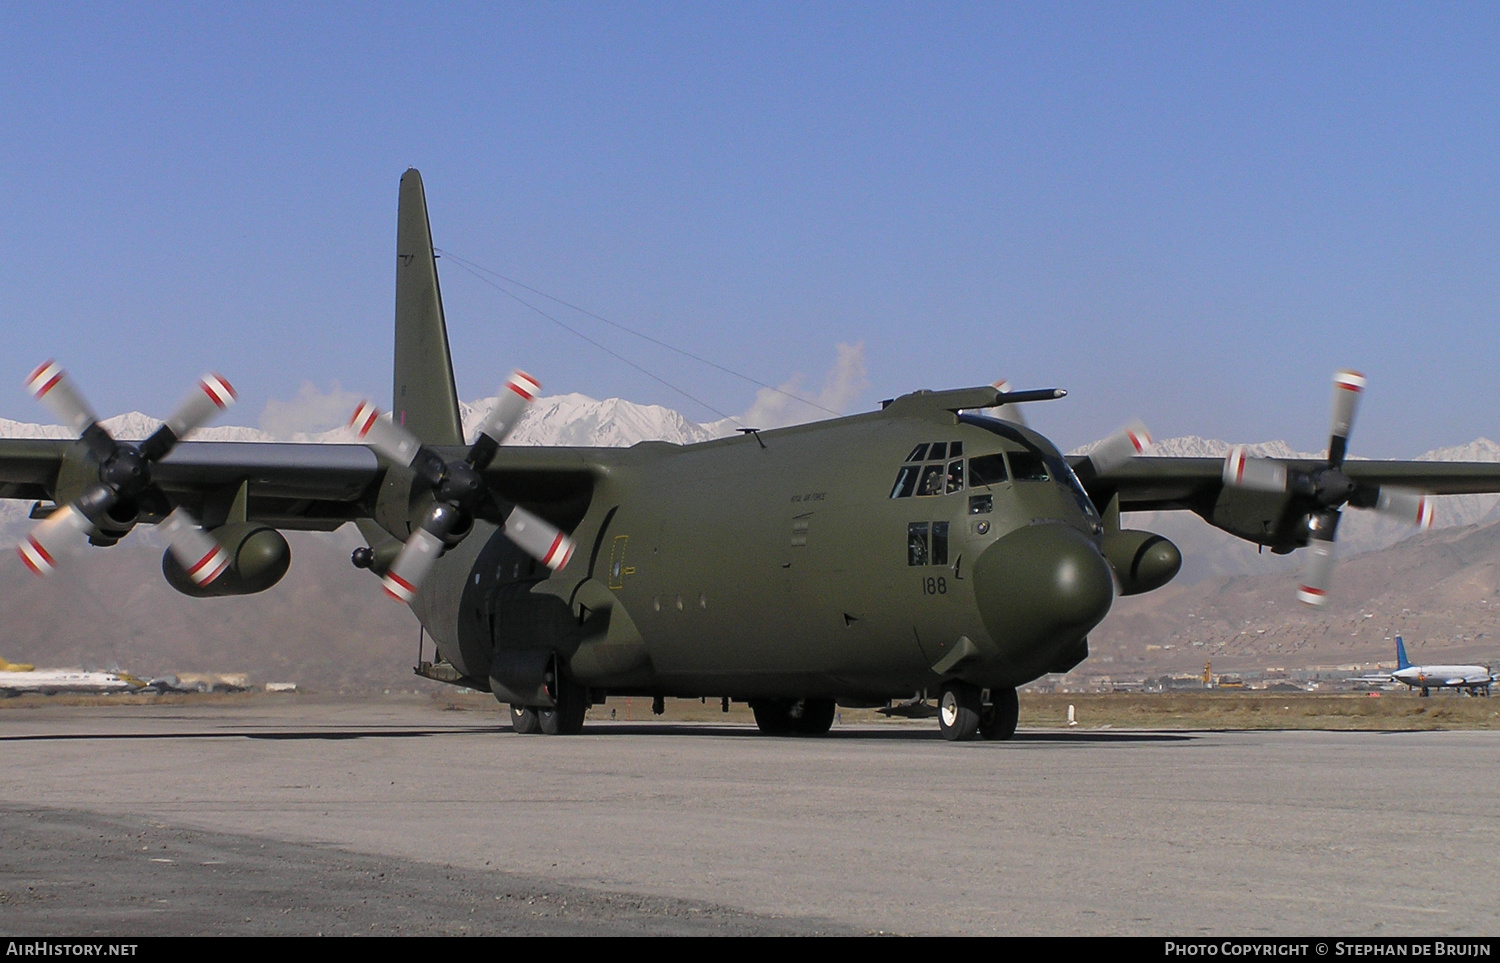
(458, 490)
(109, 508)
(1323, 492)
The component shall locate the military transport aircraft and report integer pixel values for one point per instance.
(926, 547)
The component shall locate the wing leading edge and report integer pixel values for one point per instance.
(299, 487)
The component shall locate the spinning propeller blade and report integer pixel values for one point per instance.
(1322, 493)
(1242, 470)
(199, 553)
(124, 475)
(458, 490)
(1120, 447)
(60, 532)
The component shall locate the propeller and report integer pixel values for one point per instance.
(458, 490)
(107, 509)
(1127, 442)
(1322, 492)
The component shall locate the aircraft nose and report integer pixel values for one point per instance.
(1040, 590)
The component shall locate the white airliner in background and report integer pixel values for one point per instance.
(54, 681)
(1425, 677)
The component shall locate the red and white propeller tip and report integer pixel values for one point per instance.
(1407, 505)
(1120, 447)
(411, 566)
(199, 553)
(59, 532)
(212, 395)
(539, 539)
(383, 434)
(1243, 470)
(50, 385)
(519, 391)
(1318, 576)
(1348, 385)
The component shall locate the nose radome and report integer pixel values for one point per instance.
(1040, 589)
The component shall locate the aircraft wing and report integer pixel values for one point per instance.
(1152, 483)
(310, 487)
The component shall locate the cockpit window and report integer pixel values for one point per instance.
(1035, 464)
(1028, 466)
(906, 481)
(932, 480)
(987, 470)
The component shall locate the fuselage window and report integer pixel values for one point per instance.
(955, 476)
(940, 543)
(987, 470)
(916, 543)
(906, 481)
(1028, 466)
(981, 504)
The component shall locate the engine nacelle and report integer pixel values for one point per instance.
(259, 558)
(1143, 561)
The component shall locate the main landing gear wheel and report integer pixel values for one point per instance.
(998, 719)
(566, 717)
(524, 720)
(793, 717)
(958, 711)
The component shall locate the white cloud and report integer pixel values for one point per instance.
(310, 412)
(842, 386)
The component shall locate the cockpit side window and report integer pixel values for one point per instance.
(918, 453)
(987, 470)
(1028, 466)
(955, 476)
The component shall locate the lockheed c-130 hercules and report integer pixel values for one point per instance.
(925, 547)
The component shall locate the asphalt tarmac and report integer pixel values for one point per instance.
(300, 817)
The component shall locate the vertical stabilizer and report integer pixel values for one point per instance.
(423, 398)
(1402, 662)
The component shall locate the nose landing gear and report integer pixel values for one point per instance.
(963, 712)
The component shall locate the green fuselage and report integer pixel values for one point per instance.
(863, 558)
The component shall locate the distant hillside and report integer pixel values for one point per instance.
(1440, 590)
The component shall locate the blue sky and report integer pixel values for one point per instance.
(1192, 213)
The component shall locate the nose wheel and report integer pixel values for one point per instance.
(999, 718)
(523, 719)
(963, 714)
(959, 710)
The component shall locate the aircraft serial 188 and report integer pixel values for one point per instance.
(927, 547)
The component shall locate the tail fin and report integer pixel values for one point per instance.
(423, 397)
(1402, 662)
